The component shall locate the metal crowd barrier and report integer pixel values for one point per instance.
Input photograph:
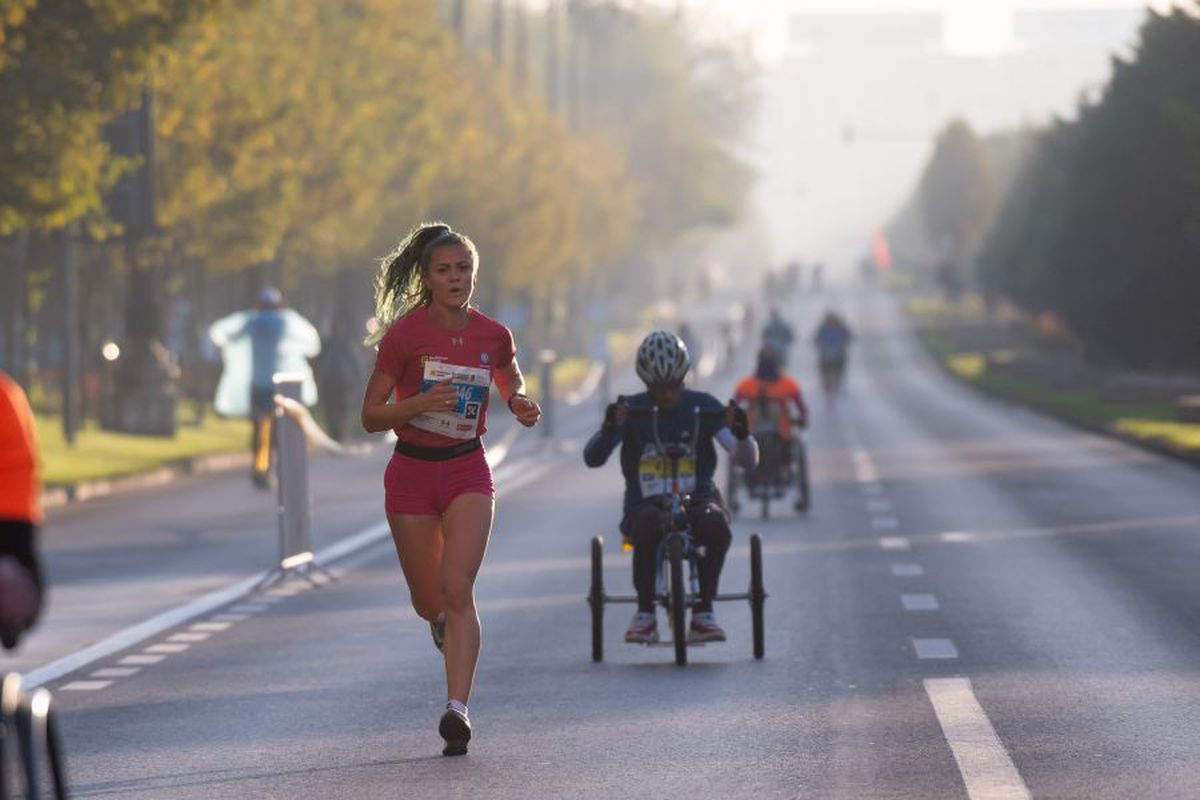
(294, 503)
(29, 737)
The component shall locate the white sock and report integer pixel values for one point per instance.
(456, 705)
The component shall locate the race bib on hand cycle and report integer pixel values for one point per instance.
(654, 473)
(472, 385)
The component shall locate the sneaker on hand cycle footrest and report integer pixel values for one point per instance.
(643, 629)
(704, 628)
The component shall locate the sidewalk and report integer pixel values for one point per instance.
(1008, 360)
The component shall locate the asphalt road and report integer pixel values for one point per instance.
(981, 603)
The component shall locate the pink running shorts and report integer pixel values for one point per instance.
(414, 486)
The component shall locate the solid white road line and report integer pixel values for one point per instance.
(928, 649)
(174, 617)
(919, 602)
(907, 570)
(987, 770)
(894, 543)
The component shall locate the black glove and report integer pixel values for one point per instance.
(610, 416)
(740, 427)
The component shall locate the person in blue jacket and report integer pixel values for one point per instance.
(256, 345)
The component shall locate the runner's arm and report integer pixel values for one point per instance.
(380, 415)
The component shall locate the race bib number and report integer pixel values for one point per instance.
(654, 472)
(472, 385)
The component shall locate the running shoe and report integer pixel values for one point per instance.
(455, 728)
(704, 628)
(643, 629)
(437, 627)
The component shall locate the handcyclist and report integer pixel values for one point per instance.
(777, 333)
(255, 345)
(437, 359)
(662, 364)
(775, 403)
(832, 340)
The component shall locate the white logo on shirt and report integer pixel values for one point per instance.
(483, 358)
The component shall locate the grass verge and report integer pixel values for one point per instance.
(1150, 422)
(99, 454)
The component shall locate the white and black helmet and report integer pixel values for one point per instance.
(662, 357)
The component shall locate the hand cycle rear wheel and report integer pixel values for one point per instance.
(676, 598)
(805, 500)
(758, 595)
(596, 598)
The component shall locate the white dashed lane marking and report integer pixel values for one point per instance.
(987, 770)
(175, 647)
(885, 523)
(956, 536)
(141, 659)
(115, 672)
(933, 649)
(919, 602)
(188, 637)
(907, 570)
(211, 626)
(230, 617)
(86, 686)
(894, 543)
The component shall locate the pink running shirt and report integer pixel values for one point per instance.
(416, 351)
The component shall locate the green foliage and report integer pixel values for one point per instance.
(956, 191)
(66, 66)
(1102, 227)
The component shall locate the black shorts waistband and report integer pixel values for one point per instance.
(437, 453)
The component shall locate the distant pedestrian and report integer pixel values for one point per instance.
(20, 515)
(437, 358)
(340, 372)
(256, 345)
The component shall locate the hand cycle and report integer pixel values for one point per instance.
(780, 464)
(672, 590)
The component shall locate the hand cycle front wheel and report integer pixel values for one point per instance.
(675, 597)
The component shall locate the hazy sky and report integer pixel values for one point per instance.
(841, 135)
(973, 26)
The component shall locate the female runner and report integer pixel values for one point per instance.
(437, 357)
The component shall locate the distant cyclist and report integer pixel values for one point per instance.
(662, 364)
(775, 404)
(832, 339)
(255, 345)
(777, 333)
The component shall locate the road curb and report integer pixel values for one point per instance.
(62, 495)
